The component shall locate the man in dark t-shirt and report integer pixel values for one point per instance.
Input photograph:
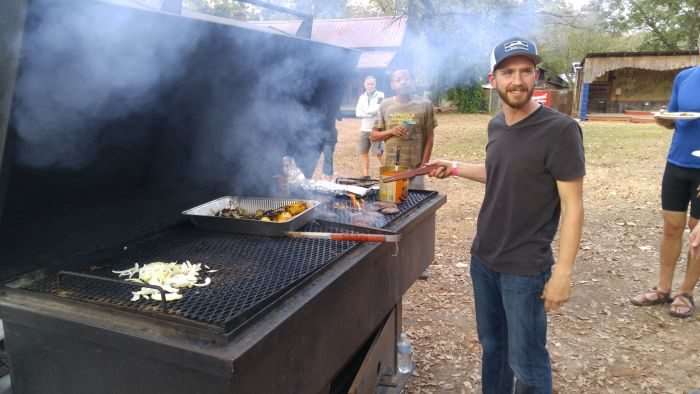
(534, 175)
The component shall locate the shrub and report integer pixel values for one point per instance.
(468, 99)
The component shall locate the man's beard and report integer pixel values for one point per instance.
(519, 103)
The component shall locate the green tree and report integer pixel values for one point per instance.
(323, 9)
(224, 8)
(469, 98)
(669, 24)
(567, 36)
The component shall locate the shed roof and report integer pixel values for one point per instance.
(597, 64)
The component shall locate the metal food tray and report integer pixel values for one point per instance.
(203, 216)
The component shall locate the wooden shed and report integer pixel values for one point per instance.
(616, 82)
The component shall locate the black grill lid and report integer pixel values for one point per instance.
(90, 133)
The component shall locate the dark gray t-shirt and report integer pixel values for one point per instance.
(521, 208)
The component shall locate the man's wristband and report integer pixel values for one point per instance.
(454, 171)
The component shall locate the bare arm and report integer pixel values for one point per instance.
(558, 289)
(474, 172)
(383, 135)
(428, 149)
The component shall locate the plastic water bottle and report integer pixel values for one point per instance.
(404, 357)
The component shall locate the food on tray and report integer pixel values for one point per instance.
(281, 214)
(171, 277)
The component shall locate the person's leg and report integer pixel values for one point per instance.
(527, 332)
(363, 146)
(683, 304)
(364, 158)
(496, 375)
(671, 244)
(674, 202)
(692, 273)
(328, 152)
(676, 194)
(379, 151)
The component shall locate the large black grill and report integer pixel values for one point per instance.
(253, 272)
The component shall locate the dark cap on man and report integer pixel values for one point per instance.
(515, 46)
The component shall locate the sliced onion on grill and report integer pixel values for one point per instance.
(171, 277)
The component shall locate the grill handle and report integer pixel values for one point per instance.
(379, 238)
(163, 304)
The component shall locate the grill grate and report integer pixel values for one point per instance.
(253, 271)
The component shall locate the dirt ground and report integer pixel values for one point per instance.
(599, 343)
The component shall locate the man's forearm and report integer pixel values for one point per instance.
(379, 135)
(428, 150)
(570, 234)
(474, 172)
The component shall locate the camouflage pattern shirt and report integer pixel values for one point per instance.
(418, 116)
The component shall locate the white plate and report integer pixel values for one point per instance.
(677, 115)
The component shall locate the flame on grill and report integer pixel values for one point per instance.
(356, 202)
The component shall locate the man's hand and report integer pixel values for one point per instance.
(443, 171)
(398, 131)
(694, 241)
(667, 123)
(557, 291)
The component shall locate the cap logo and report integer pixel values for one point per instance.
(516, 45)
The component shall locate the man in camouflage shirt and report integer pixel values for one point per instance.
(406, 123)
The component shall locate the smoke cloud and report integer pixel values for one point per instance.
(84, 66)
(148, 97)
(452, 46)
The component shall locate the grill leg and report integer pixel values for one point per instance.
(380, 360)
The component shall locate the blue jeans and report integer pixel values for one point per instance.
(512, 327)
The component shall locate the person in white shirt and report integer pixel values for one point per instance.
(366, 109)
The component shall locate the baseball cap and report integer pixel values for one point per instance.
(515, 46)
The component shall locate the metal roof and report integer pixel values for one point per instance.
(375, 59)
(596, 65)
(642, 53)
(375, 32)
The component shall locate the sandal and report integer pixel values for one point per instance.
(652, 297)
(683, 306)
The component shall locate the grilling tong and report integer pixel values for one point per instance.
(396, 177)
(410, 173)
(378, 236)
